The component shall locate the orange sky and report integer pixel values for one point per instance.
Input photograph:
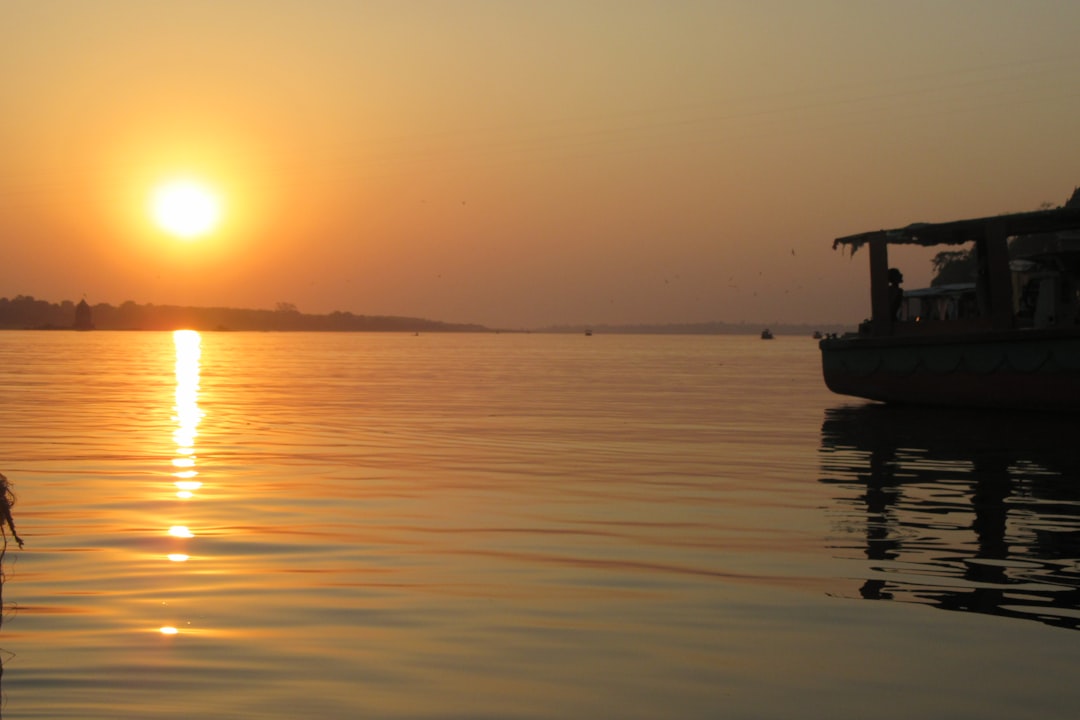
(520, 164)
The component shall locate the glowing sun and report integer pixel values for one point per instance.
(185, 208)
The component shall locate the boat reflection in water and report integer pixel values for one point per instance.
(962, 510)
(7, 523)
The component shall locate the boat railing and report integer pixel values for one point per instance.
(1042, 298)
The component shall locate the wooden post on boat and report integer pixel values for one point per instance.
(882, 318)
(992, 251)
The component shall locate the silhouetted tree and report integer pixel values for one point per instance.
(953, 266)
(958, 266)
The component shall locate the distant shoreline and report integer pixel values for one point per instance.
(610, 330)
(28, 313)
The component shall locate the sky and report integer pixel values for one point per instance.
(520, 164)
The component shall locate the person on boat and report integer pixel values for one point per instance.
(896, 293)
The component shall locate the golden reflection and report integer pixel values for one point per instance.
(187, 413)
(187, 416)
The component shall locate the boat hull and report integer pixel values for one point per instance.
(1019, 369)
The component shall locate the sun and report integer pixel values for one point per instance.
(186, 209)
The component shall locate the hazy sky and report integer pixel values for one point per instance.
(516, 163)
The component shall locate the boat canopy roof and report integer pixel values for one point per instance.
(959, 232)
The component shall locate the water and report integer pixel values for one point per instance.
(251, 525)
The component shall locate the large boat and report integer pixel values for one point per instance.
(1009, 340)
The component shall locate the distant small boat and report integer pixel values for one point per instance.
(817, 334)
(766, 334)
(588, 333)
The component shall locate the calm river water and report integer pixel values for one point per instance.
(245, 525)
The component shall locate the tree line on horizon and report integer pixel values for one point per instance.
(24, 312)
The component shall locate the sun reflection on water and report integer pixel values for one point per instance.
(187, 415)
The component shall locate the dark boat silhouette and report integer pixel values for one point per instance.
(1009, 340)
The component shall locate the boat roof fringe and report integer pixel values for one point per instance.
(959, 232)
